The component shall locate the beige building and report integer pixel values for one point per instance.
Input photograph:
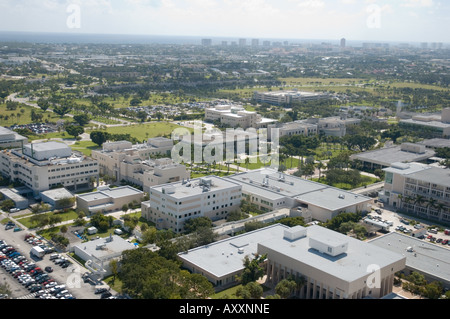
(10, 139)
(236, 116)
(171, 205)
(41, 166)
(133, 163)
(288, 97)
(418, 189)
(108, 199)
(333, 265)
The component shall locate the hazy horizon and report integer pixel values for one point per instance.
(365, 20)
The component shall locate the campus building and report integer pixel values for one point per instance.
(329, 126)
(108, 199)
(236, 116)
(41, 166)
(385, 157)
(171, 205)
(271, 190)
(333, 265)
(429, 259)
(133, 163)
(435, 125)
(99, 253)
(10, 139)
(288, 97)
(418, 189)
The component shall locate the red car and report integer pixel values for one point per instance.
(445, 242)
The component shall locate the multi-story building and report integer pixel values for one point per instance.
(171, 205)
(270, 190)
(329, 126)
(288, 97)
(435, 125)
(332, 265)
(236, 116)
(10, 139)
(419, 189)
(295, 128)
(133, 163)
(41, 166)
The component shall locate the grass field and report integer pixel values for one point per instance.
(22, 115)
(85, 147)
(146, 130)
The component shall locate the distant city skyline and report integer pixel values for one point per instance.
(354, 20)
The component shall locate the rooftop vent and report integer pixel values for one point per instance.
(295, 233)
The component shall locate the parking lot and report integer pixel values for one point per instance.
(400, 223)
(54, 276)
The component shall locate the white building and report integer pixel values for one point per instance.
(236, 116)
(10, 139)
(419, 189)
(438, 126)
(171, 205)
(41, 166)
(133, 163)
(288, 97)
(270, 190)
(108, 199)
(98, 253)
(333, 265)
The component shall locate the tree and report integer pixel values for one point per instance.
(191, 225)
(285, 288)
(253, 270)
(82, 119)
(99, 137)
(43, 104)
(252, 290)
(62, 109)
(75, 131)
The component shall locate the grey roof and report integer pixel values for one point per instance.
(427, 257)
(182, 190)
(110, 193)
(436, 142)
(57, 193)
(114, 247)
(435, 175)
(222, 258)
(348, 266)
(332, 199)
(282, 185)
(387, 156)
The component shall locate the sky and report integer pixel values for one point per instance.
(359, 20)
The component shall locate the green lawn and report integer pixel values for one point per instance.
(22, 115)
(146, 130)
(70, 215)
(85, 147)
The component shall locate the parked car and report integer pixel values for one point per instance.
(99, 291)
(445, 242)
(48, 269)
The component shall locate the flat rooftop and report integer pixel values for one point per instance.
(222, 258)
(332, 199)
(114, 247)
(191, 188)
(348, 266)
(279, 185)
(426, 257)
(390, 155)
(118, 192)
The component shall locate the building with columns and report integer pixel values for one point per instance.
(332, 265)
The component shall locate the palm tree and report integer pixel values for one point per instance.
(320, 166)
(431, 203)
(418, 200)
